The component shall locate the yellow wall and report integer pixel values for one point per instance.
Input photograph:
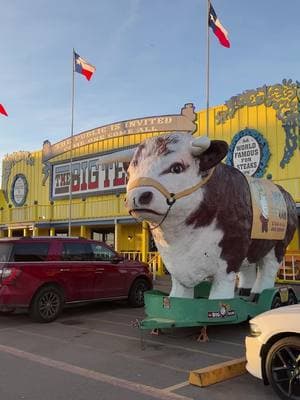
(130, 237)
(264, 120)
(33, 173)
(2, 199)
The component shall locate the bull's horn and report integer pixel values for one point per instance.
(117, 156)
(199, 145)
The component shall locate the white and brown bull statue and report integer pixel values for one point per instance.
(200, 213)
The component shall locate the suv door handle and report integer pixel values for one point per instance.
(64, 269)
(99, 270)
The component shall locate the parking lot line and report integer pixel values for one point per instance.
(176, 387)
(128, 324)
(97, 376)
(228, 342)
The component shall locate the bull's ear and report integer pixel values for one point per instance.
(213, 155)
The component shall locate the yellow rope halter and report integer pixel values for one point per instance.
(171, 197)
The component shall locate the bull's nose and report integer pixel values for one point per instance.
(145, 198)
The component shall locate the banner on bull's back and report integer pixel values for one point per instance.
(269, 210)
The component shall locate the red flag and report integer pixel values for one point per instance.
(2, 110)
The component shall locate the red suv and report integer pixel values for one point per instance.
(44, 274)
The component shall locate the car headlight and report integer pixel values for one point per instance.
(254, 330)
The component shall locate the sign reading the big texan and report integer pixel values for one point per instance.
(89, 178)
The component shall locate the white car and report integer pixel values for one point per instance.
(273, 350)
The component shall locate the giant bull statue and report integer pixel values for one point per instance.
(200, 214)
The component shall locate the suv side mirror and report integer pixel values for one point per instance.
(117, 258)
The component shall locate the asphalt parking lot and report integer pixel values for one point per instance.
(94, 352)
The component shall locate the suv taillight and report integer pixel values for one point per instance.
(9, 275)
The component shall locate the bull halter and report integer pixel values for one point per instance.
(170, 197)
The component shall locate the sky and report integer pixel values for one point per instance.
(150, 58)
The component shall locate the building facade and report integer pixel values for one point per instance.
(261, 127)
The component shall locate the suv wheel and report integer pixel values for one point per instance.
(47, 304)
(283, 367)
(136, 294)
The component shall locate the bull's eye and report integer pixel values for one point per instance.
(177, 168)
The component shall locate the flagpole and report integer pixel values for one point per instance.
(71, 146)
(207, 67)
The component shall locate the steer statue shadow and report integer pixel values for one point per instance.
(208, 219)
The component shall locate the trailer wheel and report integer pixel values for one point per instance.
(292, 298)
(276, 303)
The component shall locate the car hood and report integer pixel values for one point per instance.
(282, 318)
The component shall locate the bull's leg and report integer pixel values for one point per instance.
(223, 285)
(178, 290)
(266, 273)
(247, 277)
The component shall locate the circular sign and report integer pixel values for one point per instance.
(249, 153)
(246, 155)
(19, 190)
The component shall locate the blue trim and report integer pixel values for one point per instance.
(95, 222)
(264, 148)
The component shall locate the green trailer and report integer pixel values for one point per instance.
(163, 311)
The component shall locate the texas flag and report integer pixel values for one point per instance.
(83, 67)
(217, 27)
(3, 111)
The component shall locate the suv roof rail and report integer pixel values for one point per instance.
(54, 237)
(42, 237)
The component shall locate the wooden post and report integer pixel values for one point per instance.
(83, 231)
(117, 236)
(145, 241)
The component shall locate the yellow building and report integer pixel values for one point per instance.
(261, 126)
